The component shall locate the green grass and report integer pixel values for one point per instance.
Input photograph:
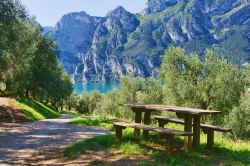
(34, 110)
(225, 151)
(91, 122)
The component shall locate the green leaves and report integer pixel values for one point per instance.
(239, 118)
(210, 84)
(28, 60)
(247, 73)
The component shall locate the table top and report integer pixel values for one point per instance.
(158, 107)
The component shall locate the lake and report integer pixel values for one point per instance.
(80, 87)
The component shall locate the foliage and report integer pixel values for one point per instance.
(71, 101)
(247, 72)
(133, 90)
(129, 88)
(94, 98)
(110, 106)
(239, 118)
(82, 104)
(151, 92)
(210, 84)
(28, 60)
(88, 102)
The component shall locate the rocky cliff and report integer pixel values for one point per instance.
(74, 34)
(105, 49)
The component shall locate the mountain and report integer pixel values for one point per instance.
(74, 34)
(121, 43)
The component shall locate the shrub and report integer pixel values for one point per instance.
(133, 90)
(239, 118)
(93, 98)
(110, 105)
(82, 104)
(87, 102)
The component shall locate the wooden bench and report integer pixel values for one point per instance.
(207, 129)
(167, 134)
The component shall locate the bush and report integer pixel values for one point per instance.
(88, 102)
(93, 99)
(82, 104)
(151, 92)
(133, 90)
(239, 118)
(111, 106)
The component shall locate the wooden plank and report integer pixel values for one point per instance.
(148, 127)
(196, 131)
(150, 107)
(203, 126)
(215, 128)
(181, 115)
(162, 119)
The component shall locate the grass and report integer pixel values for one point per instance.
(91, 122)
(225, 151)
(34, 110)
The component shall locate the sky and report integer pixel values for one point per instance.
(49, 12)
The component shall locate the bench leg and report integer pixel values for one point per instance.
(147, 122)
(161, 123)
(196, 131)
(187, 127)
(210, 138)
(169, 144)
(138, 116)
(118, 133)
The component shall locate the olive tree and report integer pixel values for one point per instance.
(211, 83)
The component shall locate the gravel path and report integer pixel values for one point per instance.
(21, 142)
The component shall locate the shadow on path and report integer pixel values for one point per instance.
(19, 142)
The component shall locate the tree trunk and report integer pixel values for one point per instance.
(27, 93)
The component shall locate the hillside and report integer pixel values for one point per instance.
(12, 110)
(121, 43)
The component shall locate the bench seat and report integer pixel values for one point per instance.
(167, 134)
(148, 127)
(207, 129)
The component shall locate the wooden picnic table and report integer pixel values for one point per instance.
(189, 114)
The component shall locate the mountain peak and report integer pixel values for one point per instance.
(117, 11)
(119, 8)
(156, 6)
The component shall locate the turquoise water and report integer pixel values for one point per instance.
(80, 87)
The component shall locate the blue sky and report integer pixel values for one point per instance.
(48, 12)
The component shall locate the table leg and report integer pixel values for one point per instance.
(187, 127)
(196, 131)
(118, 133)
(169, 144)
(138, 116)
(147, 122)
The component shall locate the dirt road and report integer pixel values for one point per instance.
(21, 143)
